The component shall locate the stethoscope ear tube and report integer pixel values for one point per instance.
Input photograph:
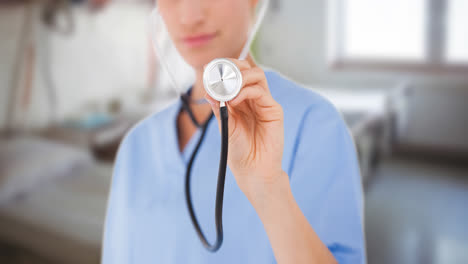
(220, 185)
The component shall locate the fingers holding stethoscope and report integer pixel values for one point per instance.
(252, 108)
(254, 87)
(251, 74)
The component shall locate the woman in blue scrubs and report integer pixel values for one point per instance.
(293, 191)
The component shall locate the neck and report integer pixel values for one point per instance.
(198, 91)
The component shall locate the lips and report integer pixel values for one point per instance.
(198, 40)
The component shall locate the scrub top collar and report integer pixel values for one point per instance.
(184, 156)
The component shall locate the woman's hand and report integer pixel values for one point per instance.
(256, 139)
(256, 133)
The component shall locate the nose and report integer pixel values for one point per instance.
(192, 12)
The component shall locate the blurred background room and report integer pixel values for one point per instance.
(75, 75)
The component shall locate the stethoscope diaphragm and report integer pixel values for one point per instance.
(222, 79)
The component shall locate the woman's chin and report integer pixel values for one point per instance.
(198, 59)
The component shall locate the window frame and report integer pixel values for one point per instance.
(435, 41)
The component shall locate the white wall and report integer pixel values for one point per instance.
(105, 58)
(438, 110)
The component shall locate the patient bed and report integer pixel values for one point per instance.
(60, 217)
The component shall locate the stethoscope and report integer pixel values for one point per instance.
(222, 80)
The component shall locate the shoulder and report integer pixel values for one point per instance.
(151, 130)
(300, 103)
(314, 129)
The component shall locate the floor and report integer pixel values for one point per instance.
(417, 212)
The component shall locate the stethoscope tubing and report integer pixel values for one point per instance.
(220, 184)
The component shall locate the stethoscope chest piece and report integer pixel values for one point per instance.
(222, 79)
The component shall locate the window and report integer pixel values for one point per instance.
(457, 46)
(399, 34)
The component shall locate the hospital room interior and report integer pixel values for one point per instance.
(76, 75)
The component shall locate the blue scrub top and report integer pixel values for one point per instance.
(147, 219)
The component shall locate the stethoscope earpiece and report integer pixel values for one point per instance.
(222, 79)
